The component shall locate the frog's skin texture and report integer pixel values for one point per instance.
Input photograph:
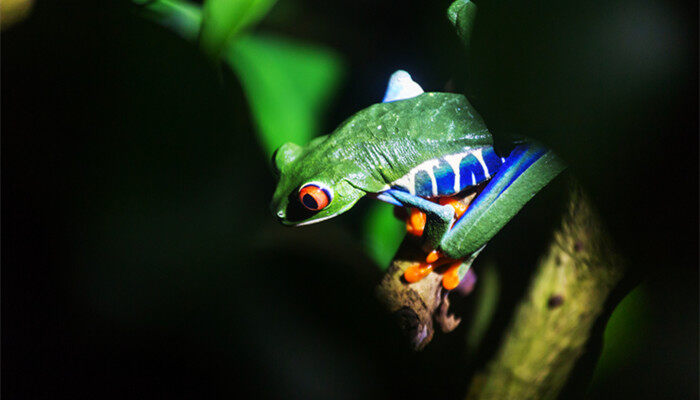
(413, 150)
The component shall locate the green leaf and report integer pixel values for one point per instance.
(487, 293)
(461, 14)
(626, 334)
(382, 233)
(224, 19)
(288, 84)
(182, 17)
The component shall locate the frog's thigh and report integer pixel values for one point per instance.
(456, 244)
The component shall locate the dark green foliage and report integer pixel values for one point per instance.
(461, 14)
(288, 83)
(223, 20)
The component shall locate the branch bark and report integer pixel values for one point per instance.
(417, 304)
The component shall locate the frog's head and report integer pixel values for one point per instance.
(310, 188)
(324, 179)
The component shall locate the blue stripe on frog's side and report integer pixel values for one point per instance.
(470, 167)
(423, 183)
(444, 177)
(448, 175)
(493, 162)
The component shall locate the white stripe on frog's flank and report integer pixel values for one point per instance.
(479, 156)
(453, 160)
(408, 181)
(431, 173)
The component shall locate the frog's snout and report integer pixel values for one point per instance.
(278, 210)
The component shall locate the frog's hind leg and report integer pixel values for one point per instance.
(525, 172)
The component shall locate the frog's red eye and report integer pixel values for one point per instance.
(314, 197)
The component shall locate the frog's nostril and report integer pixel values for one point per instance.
(280, 214)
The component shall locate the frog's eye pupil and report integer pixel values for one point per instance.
(314, 197)
(309, 202)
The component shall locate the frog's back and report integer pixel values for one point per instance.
(430, 122)
(433, 131)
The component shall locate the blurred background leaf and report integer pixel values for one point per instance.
(461, 14)
(626, 335)
(222, 20)
(382, 233)
(487, 292)
(13, 11)
(183, 17)
(289, 86)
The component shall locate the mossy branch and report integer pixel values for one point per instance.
(552, 323)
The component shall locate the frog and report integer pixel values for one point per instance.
(425, 153)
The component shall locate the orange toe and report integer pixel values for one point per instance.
(433, 256)
(416, 272)
(415, 224)
(459, 207)
(450, 279)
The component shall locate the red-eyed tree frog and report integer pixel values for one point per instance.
(415, 150)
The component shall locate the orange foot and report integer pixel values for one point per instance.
(450, 276)
(415, 225)
(450, 279)
(417, 272)
(459, 207)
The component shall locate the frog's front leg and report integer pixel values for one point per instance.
(439, 218)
